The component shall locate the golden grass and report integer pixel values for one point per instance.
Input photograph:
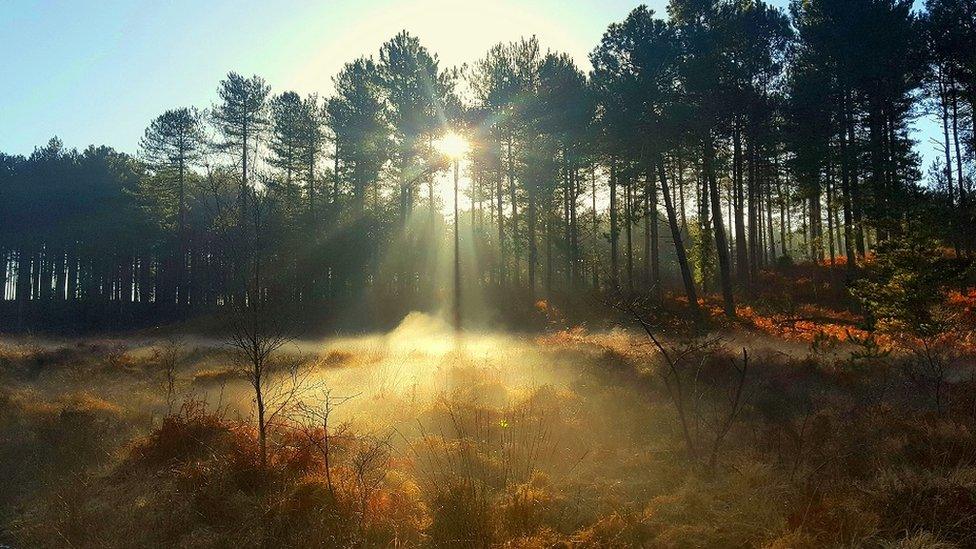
(565, 439)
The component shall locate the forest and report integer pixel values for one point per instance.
(700, 150)
(706, 292)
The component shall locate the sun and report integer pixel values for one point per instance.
(452, 145)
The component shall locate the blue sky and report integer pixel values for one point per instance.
(97, 71)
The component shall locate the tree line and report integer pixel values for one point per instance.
(704, 145)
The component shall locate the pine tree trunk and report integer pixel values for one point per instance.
(629, 227)
(595, 260)
(721, 243)
(567, 222)
(755, 227)
(60, 280)
(857, 205)
(533, 252)
(741, 252)
(549, 263)
(679, 246)
(4, 258)
(830, 216)
(652, 220)
(771, 244)
(516, 275)
(24, 276)
(499, 195)
(574, 244)
(846, 194)
(614, 227)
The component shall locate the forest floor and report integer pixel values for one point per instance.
(785, 428)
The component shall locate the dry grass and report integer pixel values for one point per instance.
(568, 439)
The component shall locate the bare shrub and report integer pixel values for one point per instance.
(170, 357)
(314, 423)
(707, 390)
(278, 380)
(369, 462)
(932, 367)
(117, 356)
